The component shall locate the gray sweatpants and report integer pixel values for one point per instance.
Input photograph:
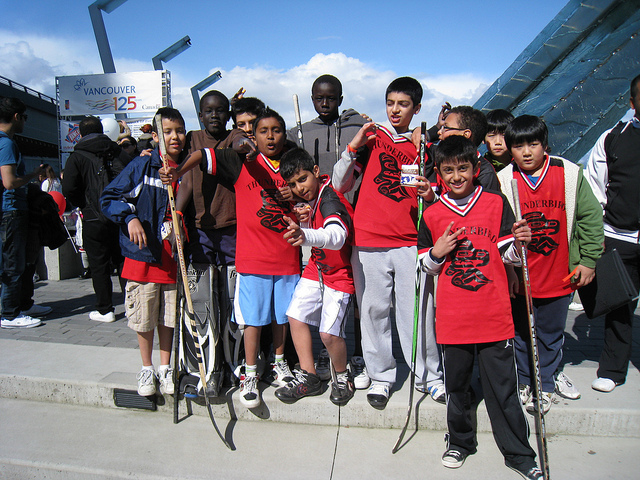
(384, 277)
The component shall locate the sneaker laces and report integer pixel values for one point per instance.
(250, 383)
(145, 377)
(342, 380)
(299, 377)
(282, 369)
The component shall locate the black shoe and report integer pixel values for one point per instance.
(453, 458)
(530, 473)
(378, 395)
(342, 392)
(304, 384)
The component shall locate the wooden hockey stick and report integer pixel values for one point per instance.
(416, 304)
(296, 109)
(185, 281)
(537, 378)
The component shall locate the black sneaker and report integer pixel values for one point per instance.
(342, 392)
(453, 458)
(531, 473)
(304, 384)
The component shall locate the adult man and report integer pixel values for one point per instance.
(613, 172)
(95, 161)
(15, 220)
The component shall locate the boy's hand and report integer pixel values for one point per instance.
(245, 148)
(294, 234)
(583, 276)
(366, 117)
(168, 175)
(446, 243)
(284, 194)
(302, 211)
(522, 233)
(146, 153)
(512, 280)
(136, 233)
(366, 133)
(237, 96)
(424, 189)
(443, 113)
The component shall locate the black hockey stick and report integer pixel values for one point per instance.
(296, 109)
(185, 281)
(537, 378)
(416, 304)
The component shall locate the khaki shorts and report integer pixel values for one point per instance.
(148, 305)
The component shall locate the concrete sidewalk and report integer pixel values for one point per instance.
(73, 360)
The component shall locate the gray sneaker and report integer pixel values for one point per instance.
(565, 387)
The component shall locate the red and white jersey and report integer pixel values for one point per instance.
(472, 297)
(331, 207)
(543, 206)
(260, 246)
(386, 213)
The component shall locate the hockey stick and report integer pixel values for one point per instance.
(537, 380)
(416, 304)
(296, 109)
(185, 280)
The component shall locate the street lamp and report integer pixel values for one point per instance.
(100, 31)
(171, 52)
(198, 87)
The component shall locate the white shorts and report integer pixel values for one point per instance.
(328, 313)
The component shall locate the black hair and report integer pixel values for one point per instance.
(526, 129)
(250, 105)
(635, 85)
(269, 113)
(295, 160)
(168, 113)
(215, 93)
(90, 125)
(407, 85)
(330, 79)
(131, 140)
(497, 120)
(9, 106)
(456, 149)
(471, 119)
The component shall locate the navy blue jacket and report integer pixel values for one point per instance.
(138, 192)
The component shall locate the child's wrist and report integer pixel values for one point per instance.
(351, 150)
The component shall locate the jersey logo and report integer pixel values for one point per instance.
(541, 231)
(319, 256)
(464, 271)
(388, 180)
(272, 212)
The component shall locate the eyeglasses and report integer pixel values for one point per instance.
(126, 145)
(446, 129)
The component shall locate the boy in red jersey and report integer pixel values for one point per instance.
(465, 237)
(384, 251)
(322, 296)
(268, 268)
(135, 199)
(566, 223)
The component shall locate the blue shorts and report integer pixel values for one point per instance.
(260, 299)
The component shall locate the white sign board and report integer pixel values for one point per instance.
(137, 92)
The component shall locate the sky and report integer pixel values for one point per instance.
(277, 48)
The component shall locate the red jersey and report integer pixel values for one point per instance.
(472, 297)
(331, 207)
(542, 203)
(386, 212)
(260, 246)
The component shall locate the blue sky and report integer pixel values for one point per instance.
(277, 48)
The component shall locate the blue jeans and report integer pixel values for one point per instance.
(13, 235)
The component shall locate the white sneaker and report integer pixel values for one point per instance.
(323, 366)
(600, 384)
(21, 321)
(37, 311)
(146, 382)
(576, 307)
(546, 400)
(281, 374)
(106, 318)
(438, 393)
(249, 393)
(359, 372)
(565, 387)
(378, 395)
(165, 377)
(524, 391)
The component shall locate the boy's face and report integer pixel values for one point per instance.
(174, 137)
(529, 156)
(305, 184)
(326, 100)
(451, 126)
(458, 176)
(270, 137)
(496, 145)
(400, 110)
(244, 121)
(214, 115)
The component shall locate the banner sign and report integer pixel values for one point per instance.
(69, 136)
(137, 92)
